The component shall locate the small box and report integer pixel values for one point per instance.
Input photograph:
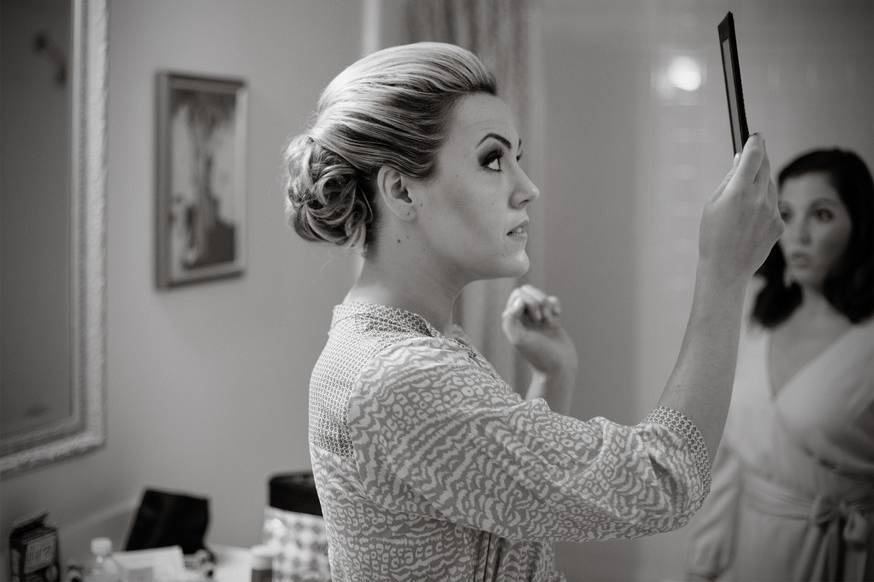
(293, 524)
(154, 565)
(33, 550)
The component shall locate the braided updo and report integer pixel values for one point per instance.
(390, 108)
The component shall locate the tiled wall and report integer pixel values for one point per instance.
(629, 168)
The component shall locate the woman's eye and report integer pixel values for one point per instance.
(493, 161)
(785, 214)
(824, 215)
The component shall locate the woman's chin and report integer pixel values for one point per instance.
(517, 266)
(507, 266)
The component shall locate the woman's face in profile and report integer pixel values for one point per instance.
(473, 211)
(817, 228)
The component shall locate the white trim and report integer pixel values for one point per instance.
(371, 26)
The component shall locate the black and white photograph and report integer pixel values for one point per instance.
(201, 151)
(436, 291)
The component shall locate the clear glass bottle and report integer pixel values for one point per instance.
(102, 568)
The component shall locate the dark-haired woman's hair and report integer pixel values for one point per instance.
(849, 286)
(390, 108)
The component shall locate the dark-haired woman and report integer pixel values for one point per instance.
(793, 480)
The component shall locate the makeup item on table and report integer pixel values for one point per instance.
(262, 563)
(33, 550)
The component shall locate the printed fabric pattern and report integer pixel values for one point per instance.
(430, 467)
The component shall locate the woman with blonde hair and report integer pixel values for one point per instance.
(427, 464)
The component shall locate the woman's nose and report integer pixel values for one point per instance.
(526, 191)
(798, 231)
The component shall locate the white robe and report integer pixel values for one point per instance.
(793, 480)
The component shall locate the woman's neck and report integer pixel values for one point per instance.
(815, 308)
(411, 286)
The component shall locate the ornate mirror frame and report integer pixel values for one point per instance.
(86, 428)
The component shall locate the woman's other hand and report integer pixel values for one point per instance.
(741, 223)
(531, 323)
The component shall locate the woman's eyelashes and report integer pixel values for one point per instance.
(824, 214)
(494, 160)
(821, 214)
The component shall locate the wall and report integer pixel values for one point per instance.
(206, 384)
(629, 170)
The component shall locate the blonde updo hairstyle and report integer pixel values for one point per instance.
(389, 108)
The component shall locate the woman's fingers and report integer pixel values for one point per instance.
(555, 304)
(763, 176)
(533, 298)
(768, 189)
(728, 176)
(515, 305)
(540, 307)
(772, 202)
(772, 193)
(739, 225)
(751, 159)
(744, 170)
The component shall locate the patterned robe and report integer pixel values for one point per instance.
(429, 467)
(795, 470)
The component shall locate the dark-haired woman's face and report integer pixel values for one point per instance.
(817, 228)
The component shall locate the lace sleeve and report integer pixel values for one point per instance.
(683, 425)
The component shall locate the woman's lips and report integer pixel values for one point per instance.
(521, 230)
(800, 260)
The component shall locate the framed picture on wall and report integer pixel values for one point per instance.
(201, 178)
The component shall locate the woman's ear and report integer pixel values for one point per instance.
(391, 186)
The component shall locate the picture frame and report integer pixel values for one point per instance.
(201, 178)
